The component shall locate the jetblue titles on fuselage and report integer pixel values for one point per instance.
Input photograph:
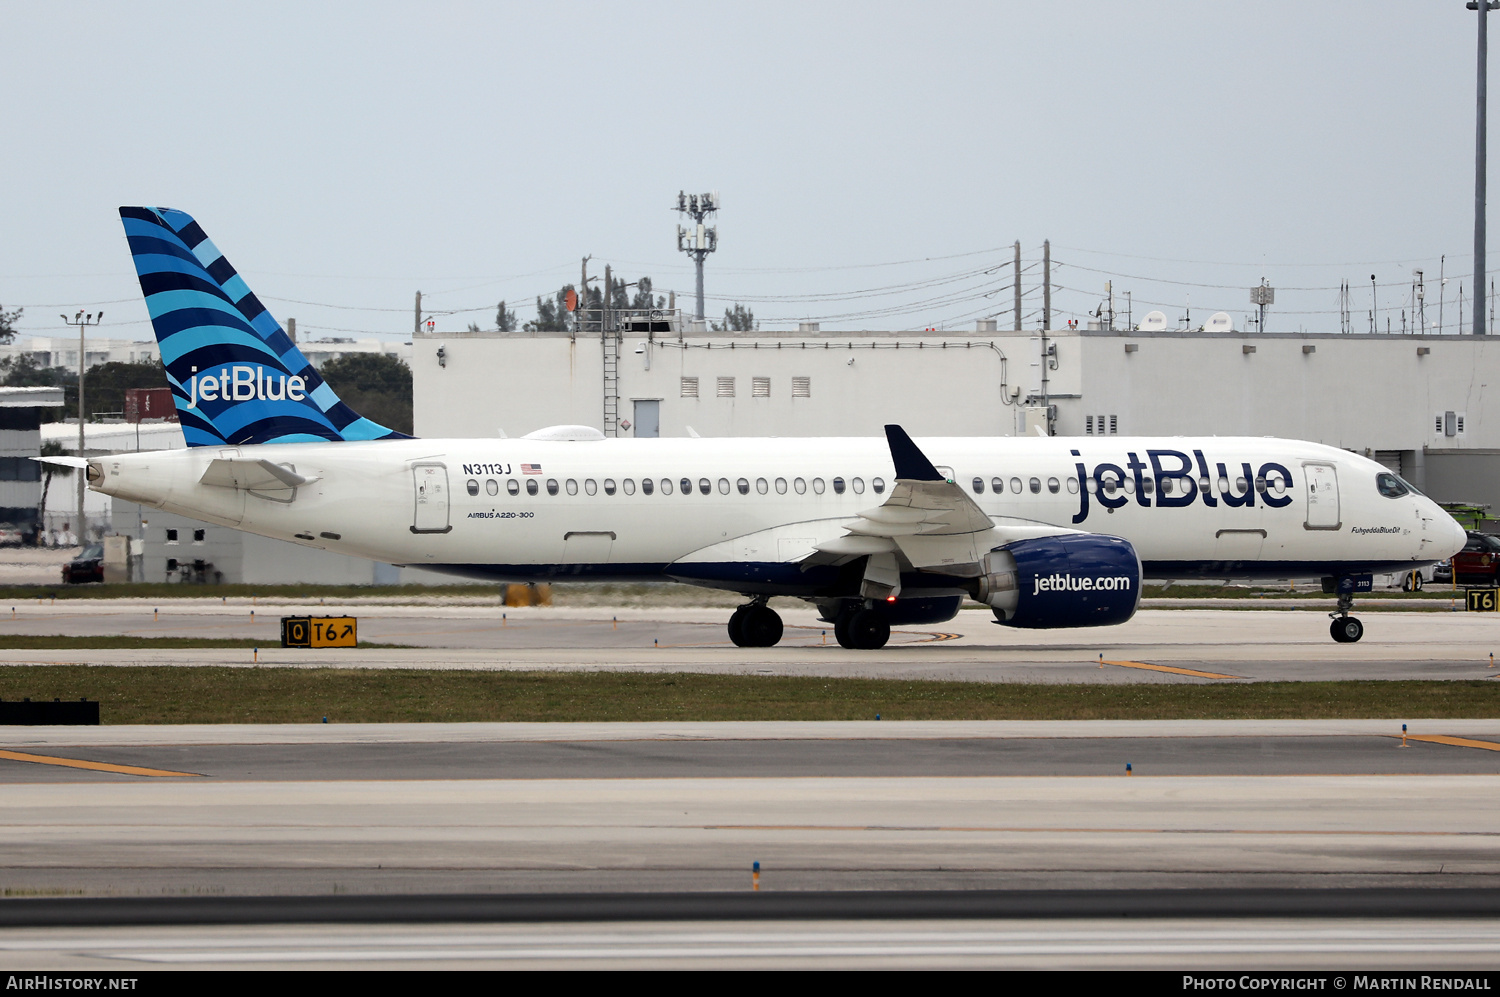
(1178, 481)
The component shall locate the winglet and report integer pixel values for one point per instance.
(911, 463)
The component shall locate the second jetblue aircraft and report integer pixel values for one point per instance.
(1048, 532)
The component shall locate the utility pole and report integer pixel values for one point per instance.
(700, 240)
(82, 321)
(1374, 306)
(416, 325)
(1018, 285)
(1442, 292)
(583, 296)
(1481, 99)
(1046, 283)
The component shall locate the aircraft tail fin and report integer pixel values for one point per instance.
(236, 376)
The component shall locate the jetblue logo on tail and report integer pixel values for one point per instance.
(242, 384)
(236, 376)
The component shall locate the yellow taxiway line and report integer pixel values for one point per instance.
(1168, 668)
(1458, 742)
(79, 763)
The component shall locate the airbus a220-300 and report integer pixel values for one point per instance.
(1046, 531)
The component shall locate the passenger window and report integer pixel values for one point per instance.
(609, 486)
(1148, 485)
(551, 486)
(1129, 485)
(1036, 486)
(761, 487)
(1260, 485)
(492, 486)
(646, 486)
(817, 486)
(838, 486)
(743, 486)
(473, 487)
(687, 486)
(1203, 484)
(1166, 485)
(1223, 484)
(512, 486)
(590, 486)
(978, 486)
(705, 486)
(1053, 485)
(666, 486)
(531, 486)
(1111, 485)
(997, 485)
(1015, 485)
(628, 486)
(878, 484)
(571, 486)
(780, 486)
(723, 486)
(1072, 486)
(799, 486)
(1240, 486)
(1092, 485)
(858, 484)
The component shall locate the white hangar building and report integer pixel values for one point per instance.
(1416, 403)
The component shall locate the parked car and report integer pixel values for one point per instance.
(88, 566)
(1442, 572)
(11, 535)
(1478, 564)
(1410, 581)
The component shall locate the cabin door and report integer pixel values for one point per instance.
(1322, 496)
(430, 486)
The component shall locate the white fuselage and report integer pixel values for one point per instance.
(531, 508)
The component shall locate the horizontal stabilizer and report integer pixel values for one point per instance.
(252, 475)
(64, 461)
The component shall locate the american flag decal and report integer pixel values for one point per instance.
(531, 469)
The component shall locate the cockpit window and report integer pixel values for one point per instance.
(1391, 486)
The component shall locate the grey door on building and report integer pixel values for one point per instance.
(647, 418)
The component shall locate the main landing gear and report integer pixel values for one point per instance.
(859, 627)
(1345, 629)
(755, 625)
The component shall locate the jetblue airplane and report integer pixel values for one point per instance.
(1046, 531)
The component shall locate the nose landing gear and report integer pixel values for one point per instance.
(755, 625)
(1345, 629)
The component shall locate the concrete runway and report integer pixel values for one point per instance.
(1191, 645)
(329, 810)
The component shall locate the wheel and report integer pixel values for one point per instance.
(737, 627)
(1406, 583)
(1346, 630)
(1416, 581)
(761, 627)
(868, 630)
(841, 630)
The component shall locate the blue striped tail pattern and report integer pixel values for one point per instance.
(236, 376)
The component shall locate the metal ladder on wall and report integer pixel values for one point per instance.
(611, 340)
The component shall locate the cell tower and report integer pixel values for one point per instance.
(699, 240)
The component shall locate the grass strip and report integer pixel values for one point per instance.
(64, 642)
(211, 694)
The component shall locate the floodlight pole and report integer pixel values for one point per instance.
(83, 322)
(1481, 99)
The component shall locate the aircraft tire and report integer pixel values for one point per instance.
(761, 627)
(868, 630)
(737, 627)
(1346, 630)
(841, 630)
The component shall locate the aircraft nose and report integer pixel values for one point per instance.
(1454, 536)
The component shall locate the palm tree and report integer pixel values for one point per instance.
(51, 448)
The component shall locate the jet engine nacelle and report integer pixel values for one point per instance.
(1072, 580)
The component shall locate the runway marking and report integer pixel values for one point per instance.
(1169, 668)
(79, 763)
(1458, 742)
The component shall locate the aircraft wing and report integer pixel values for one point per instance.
(927, 521)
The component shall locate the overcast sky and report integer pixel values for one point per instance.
(876, 160)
